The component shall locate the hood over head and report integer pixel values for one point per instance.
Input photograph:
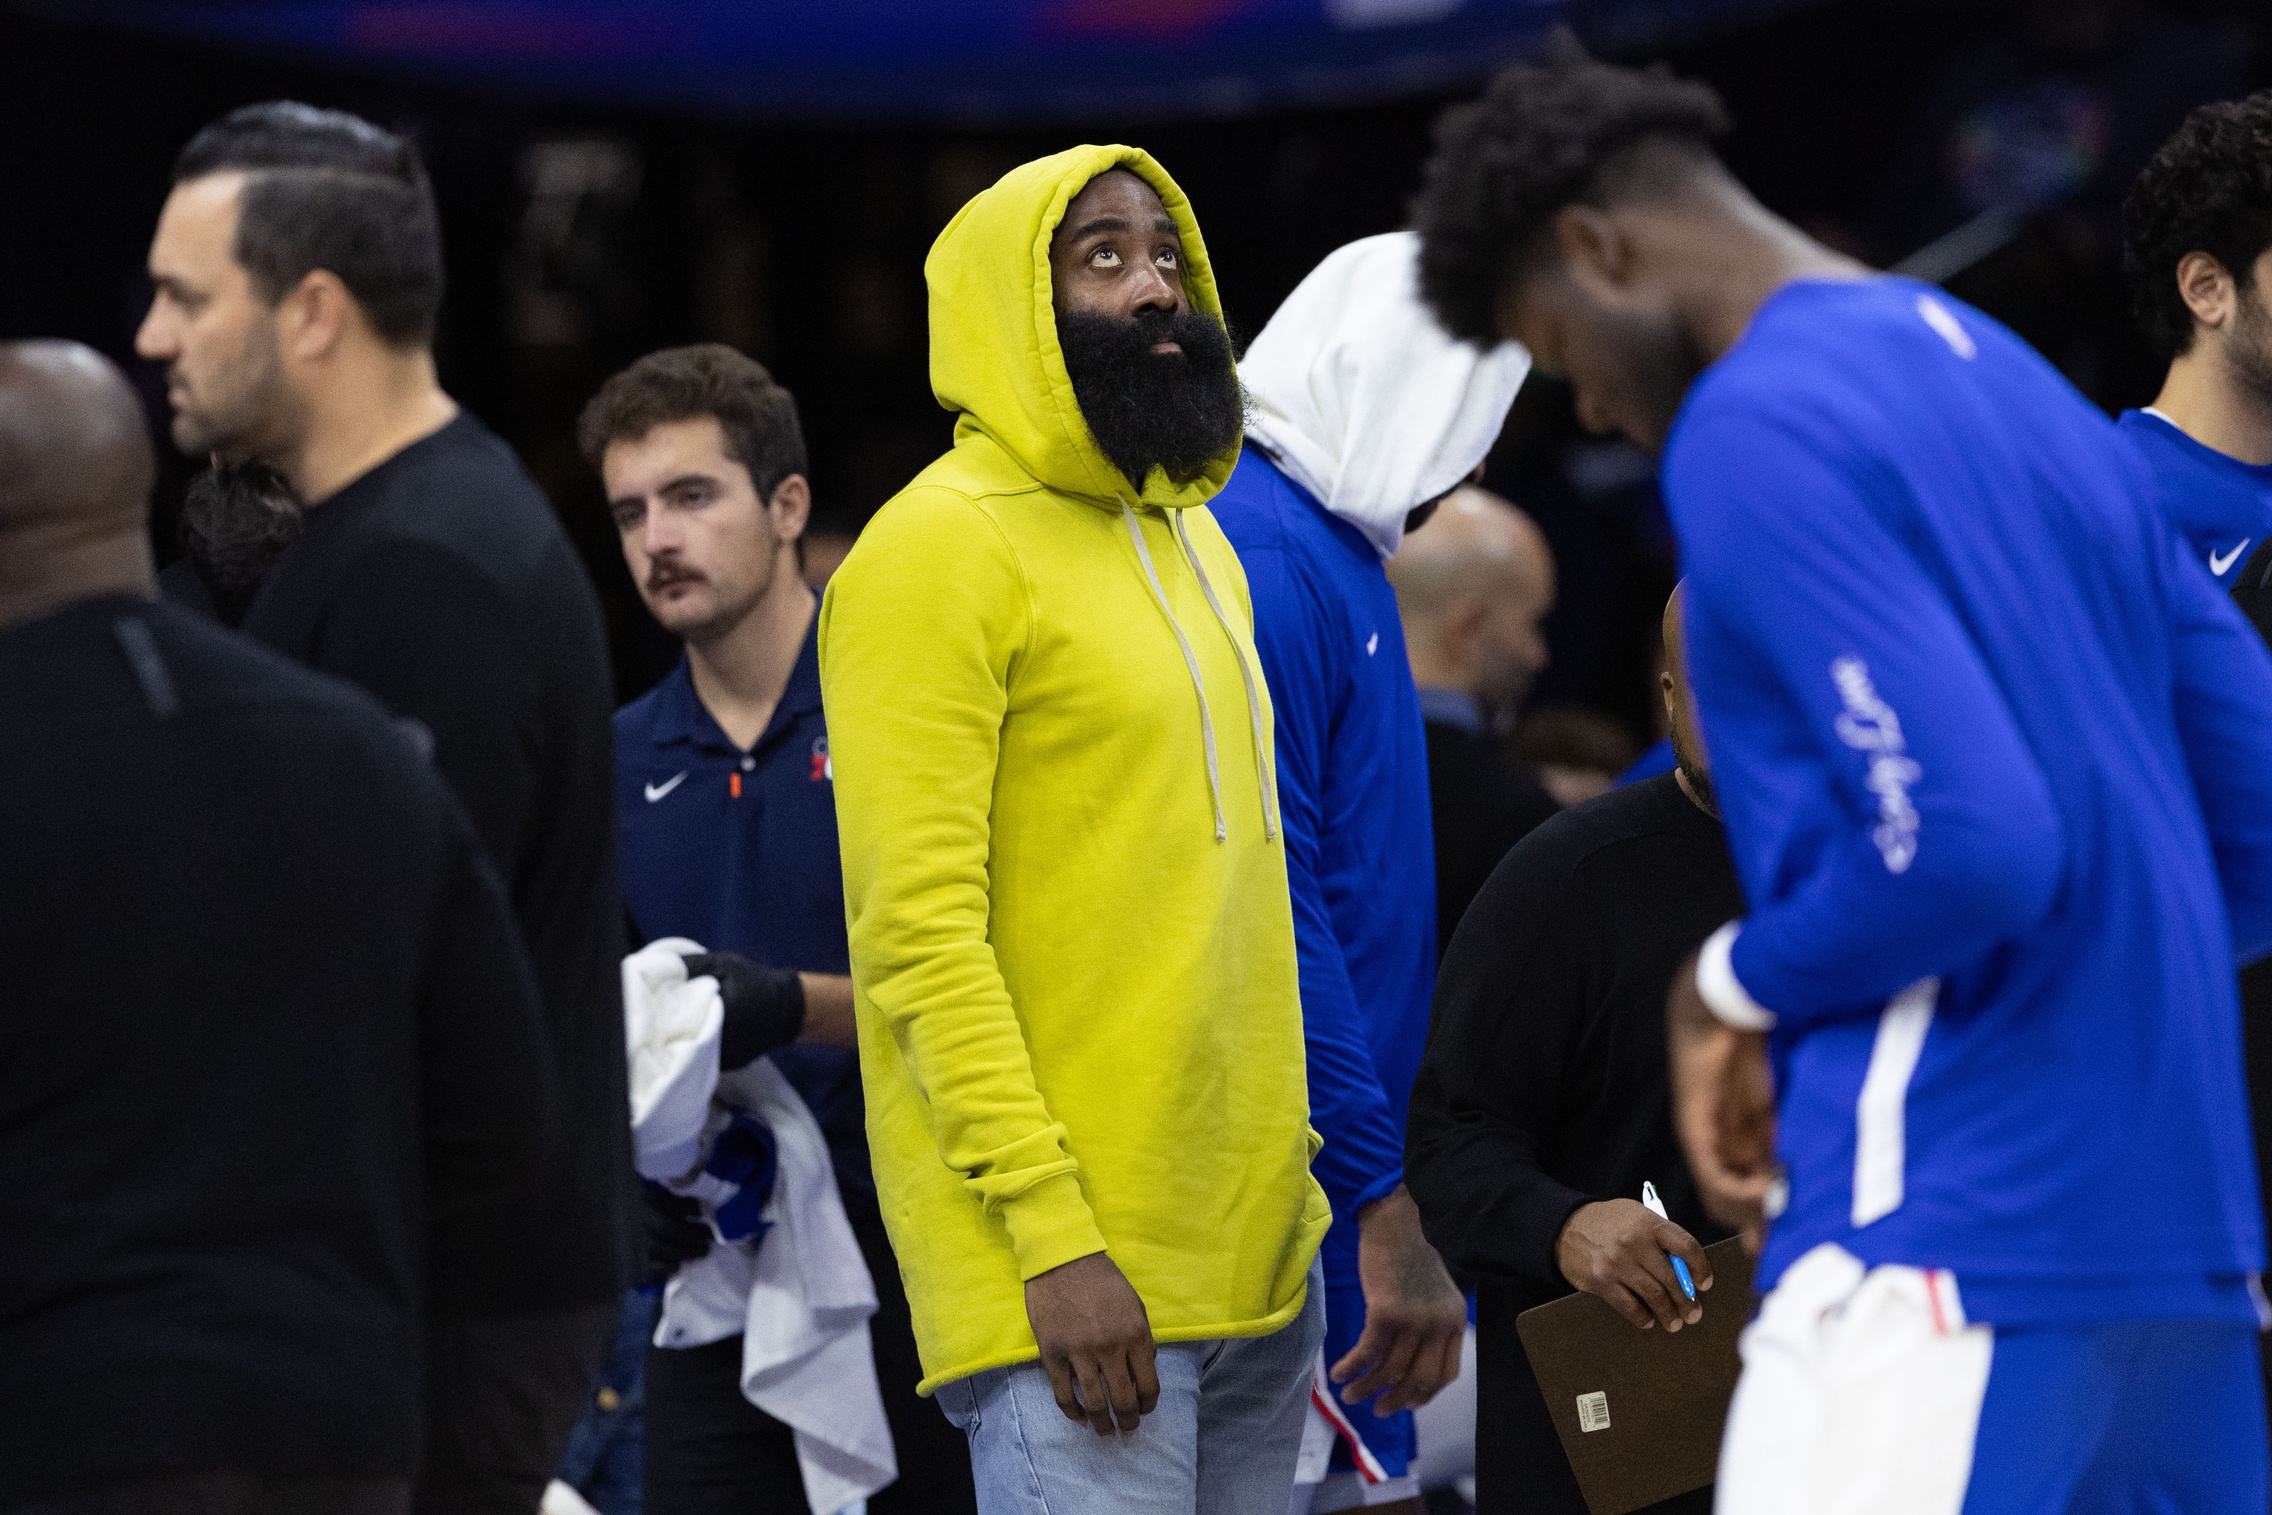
(1370, 405)
(995, 358)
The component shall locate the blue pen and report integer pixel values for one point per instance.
(1679, 1267)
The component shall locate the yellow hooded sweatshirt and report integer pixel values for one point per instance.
(1072, 947)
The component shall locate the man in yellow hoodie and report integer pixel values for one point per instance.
(1072, 947)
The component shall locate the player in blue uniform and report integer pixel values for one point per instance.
(727, 804)
(1999, 789)
(1361, 412)
(2197, 249)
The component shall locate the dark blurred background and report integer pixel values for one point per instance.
(782, 200)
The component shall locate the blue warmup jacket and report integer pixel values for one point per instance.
(1360, 850)
(2220, 505)
(1974, 715)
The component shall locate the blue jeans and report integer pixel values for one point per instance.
(603, 1458)
(1222, 1442)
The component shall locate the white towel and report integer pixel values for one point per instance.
(801, 1298)
(671, 1026)
(1367, 402)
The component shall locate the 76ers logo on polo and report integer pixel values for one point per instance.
(822, 767)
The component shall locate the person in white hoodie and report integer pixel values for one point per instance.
(1362, 411)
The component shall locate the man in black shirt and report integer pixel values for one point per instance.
(270, 1041)
(298, 275)
(1542, 1104)
(1472, 586)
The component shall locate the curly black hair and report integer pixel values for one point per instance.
(1541, 138)
(2209, 189)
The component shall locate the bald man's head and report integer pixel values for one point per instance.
(1680, 707)
(75, 474)
(75, 457)
(1473, 586)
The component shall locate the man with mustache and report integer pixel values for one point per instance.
(1072, 947)
(298, 274)
(727, 805)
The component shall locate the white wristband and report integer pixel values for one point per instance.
(1722, 991)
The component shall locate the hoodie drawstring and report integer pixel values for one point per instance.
(1199, 684)
(1262, 773)
(1190, 661)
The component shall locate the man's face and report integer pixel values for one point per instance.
(1619, 346)
(1153, 376)
(2248, 346)
(700, 544)
(216, 337)
(1687, 732)
(1117, 253)
(1510, 648)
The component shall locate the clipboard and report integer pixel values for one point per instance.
(1640, 1412)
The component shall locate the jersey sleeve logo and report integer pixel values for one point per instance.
(1868, 725)
(1947, 327)
(2220, 561)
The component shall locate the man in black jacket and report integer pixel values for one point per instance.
(1472, 586)
(270, 1041)
(1542, 1104)
(298, 274)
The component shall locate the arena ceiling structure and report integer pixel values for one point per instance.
(924, 60)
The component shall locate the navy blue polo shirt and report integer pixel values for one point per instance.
(737, 850)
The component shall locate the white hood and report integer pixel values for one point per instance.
(1364, 399)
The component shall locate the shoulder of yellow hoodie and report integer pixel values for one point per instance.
(995, 358)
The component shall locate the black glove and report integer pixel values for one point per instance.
(673, 1234)
(765, 1007)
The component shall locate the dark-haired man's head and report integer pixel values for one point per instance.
(1154, 376)
(289, 232)
(236, 520)
(75, 474)
(2197, 245)
(1578, 208)
(703, 460)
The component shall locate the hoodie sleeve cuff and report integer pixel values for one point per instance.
(1723, 993)
(1051, 1225)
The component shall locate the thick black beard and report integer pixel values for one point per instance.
(236, 520)
(1174, 412)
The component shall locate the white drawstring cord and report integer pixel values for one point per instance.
(1190, 661)
(1262, 773)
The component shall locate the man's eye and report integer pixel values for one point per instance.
(1167, 257)
(1105, 257)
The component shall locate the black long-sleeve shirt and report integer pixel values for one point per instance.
(268, 1042)
(441, 582)
(1544, 1086)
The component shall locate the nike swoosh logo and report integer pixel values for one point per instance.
(657, 791)
(2218, 564)
(1371, 643)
